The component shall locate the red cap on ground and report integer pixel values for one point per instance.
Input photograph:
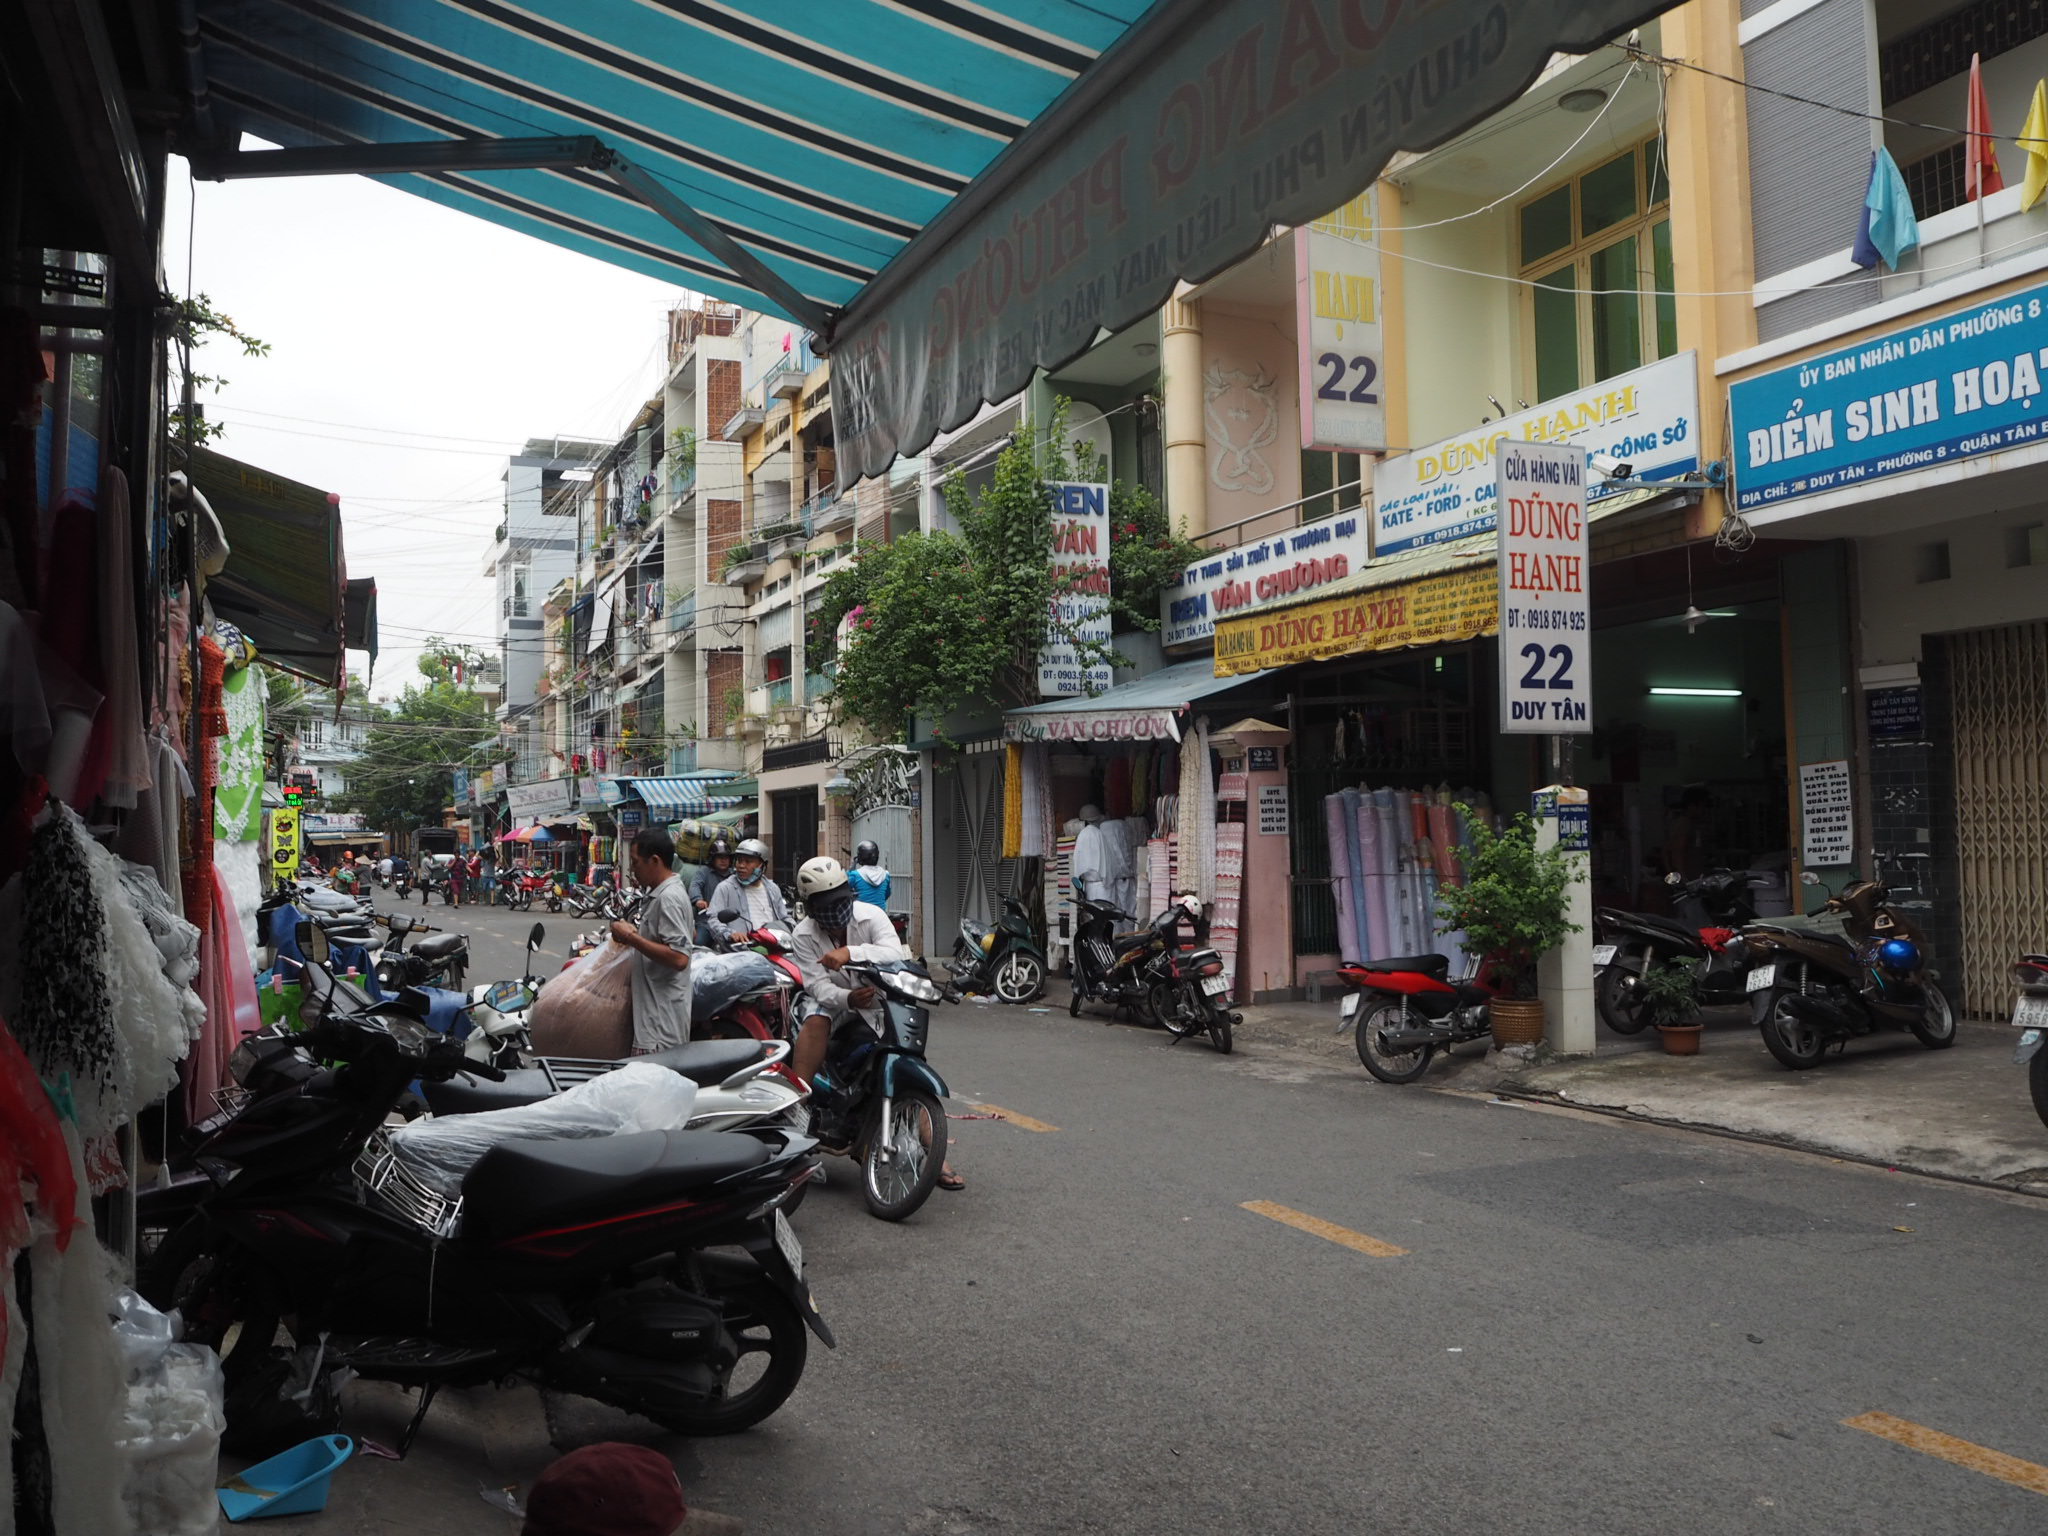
(610, 1489)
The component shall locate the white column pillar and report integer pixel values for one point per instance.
(1564, 977)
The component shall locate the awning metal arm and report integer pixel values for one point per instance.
(580, 152)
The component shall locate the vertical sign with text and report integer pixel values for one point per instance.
(1546, 685)
(1826, 815)
(1337, 321)
(1080, 604)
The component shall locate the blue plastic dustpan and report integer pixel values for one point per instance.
(292, 1483)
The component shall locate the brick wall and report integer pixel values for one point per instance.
(721, 392)
(721, 532)
(723, 671)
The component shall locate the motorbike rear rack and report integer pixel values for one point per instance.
(384, 1175)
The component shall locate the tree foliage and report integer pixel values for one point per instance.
(193, 322)
(404, 776)
(939, 622)
(1511, 906)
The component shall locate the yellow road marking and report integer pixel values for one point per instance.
(1022, 1122)
(1932, 1442)
(1315, 1226)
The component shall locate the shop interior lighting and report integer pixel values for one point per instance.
(1698, 693)
(1588, 99)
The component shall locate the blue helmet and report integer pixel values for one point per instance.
(1899, 955)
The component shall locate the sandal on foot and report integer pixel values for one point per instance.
(951, 1180)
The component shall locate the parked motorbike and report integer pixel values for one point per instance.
(1181, 978)
(1854, 968)
(876, 1096)
(2030, 1018)
(436, 961)
(535, 886)
(1403, 1011)
(582, 1265)
(1630, 944)
(767, 1013)
(1003, 962)
(1107, 960)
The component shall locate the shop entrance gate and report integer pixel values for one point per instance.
(1998, 688)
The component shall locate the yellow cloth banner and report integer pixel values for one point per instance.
(1430, 610)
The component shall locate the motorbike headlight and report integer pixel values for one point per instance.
(918, 987)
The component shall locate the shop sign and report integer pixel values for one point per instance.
(1080, 606)
(1646, 419)
(550, 797)
(1337, 317)
(1289, 565)
(1956, 388)
(1545, 658)
(459, 786)
(1893, 713)
(1093, 725)
(284, 841)
(1828, 833)
(1431, 610)
(332, 821)
(1272, 810)
(589, 792)
(1262, 759)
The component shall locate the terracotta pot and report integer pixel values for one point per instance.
(1515, 1021)
(1681, 1039)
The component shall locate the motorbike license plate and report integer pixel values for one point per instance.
(1349, 1007)
(786, 1240)
(1763, 976)
(2031, 1013)
(1214, 985)
(1603, 954)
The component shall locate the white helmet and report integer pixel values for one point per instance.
(819, 876)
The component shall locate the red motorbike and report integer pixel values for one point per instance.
(766, 1013)
(1403, 1011)
(541, 884)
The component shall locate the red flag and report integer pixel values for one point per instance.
(1981, 177)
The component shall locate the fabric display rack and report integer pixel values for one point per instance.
(1390, 852)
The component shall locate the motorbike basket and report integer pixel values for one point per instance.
(390, 1184)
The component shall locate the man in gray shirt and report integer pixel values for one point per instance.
(661, 941)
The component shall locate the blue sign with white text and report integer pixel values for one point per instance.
(1966, 384)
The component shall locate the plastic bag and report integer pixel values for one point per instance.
(717, 981)
(587, 1011)
(637, 1097)
(169, 1443)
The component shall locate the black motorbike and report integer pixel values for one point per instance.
(582, 1265)
(2030, 1018)
(877, 1097)
(440, 960)
(1003, 962)
(1187, 988)
(1628, 945)
(1107, 962)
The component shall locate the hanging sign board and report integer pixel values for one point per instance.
(1080, 605)
(284, 843)
(1337, 318)
(1274, 569)
(1646, 419)
(1545, 662)
(1430, 610)
(1827, 828)
(1893, 713)
(550, 797)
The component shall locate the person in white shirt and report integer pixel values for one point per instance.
(838, 931)
(749, 892)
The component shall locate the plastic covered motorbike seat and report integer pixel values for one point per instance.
(528, 1186)
(706, 1062)
(466, 1095)
(1438, 966)
(439, 946)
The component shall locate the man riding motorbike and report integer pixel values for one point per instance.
(706, 883)
(870, 881)
(838, 930)
(749, 892)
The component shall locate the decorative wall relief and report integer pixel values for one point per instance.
(1243, 412)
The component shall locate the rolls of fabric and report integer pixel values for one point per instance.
(1376, 813)
(1337, 819)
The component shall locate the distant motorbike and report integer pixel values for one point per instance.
(876, 1096)
(1631, 944)
(2030, 1018)
(1401, 1012)
(1855, 968)
(1005, 961)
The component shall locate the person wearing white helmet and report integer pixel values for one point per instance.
(749, 892)
(838, 930)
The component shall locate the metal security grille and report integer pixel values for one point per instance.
(1998, 683)
(978, 833)
(1935, 182)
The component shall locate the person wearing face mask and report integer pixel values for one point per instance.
(749, 892)
(704, 885)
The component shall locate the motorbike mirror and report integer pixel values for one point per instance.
(1808, 877)
(729, 915)
(536, 935)
(313, 943)
(509, 996)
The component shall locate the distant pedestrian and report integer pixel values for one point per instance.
(458, 876)
(614, 1489)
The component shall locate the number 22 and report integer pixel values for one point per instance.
(1561, 654)
(1332, 388)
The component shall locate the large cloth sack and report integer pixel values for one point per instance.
(587, 1010)
(717, 981)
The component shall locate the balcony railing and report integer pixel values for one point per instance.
(682, 614)
(782, 694)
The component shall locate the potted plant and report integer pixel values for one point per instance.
(1511, 911)
(1670, 995)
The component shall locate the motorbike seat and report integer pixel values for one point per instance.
(527, 1186)
(706, 1062)
(1131, 940)
(440, 946)
(1438, 966)
(467, 1095)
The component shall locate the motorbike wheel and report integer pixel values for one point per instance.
(1018, 978)
(1937, 1027)
(1074, 993)
(766, 1325)
(2037, 1083)
(1618, 999)
(1162, 1007)
(1389, 1066)
(1219, 1025)
(900, 1162)
(554, 903)
(1796, 1043)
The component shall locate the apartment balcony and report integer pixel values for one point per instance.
(828, 511)
(780, 694)
(784, 380)
(743, 421)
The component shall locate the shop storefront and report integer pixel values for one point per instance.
(1919, 443)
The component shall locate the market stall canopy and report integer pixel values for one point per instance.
(284, 582)
(359, 616)
(691, 796)
(949, 195)
(1146, 710)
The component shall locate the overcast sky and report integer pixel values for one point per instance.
(412, 348)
